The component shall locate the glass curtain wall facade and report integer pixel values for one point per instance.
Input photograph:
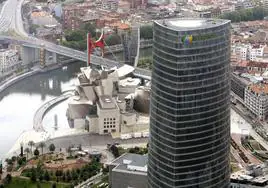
(190, 109)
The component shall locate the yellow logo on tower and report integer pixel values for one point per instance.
(187, 39)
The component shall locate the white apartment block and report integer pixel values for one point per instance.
(256, 99)
(107, 4)
(240, 50)
(254, 53)
(248, 51)
(8, 60)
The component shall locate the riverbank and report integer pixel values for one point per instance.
(10, 81)
(10, 121)
(37, 137)
(35, 70)
(40, 113)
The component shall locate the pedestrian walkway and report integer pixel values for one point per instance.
(40, 113)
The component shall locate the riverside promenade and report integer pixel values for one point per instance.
(40, 113)
(7, 83)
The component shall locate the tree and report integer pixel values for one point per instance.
(9, 161)
(31, 144)
(42, 145)
(90, 28)
(76, 35)
(68, 176)
(146, 32)
(33, 175)
(41, 177)
(21, 161)
(114, 151)
(146, 63)
(52, 147)
(63, 177)
(80, 147)
(58, 174)
(13, 158)
(256, 13)
(54, 185)
(112, 39)
(46, 176)
(8, 179)
(74, 175)
(39, 168)
(38, 185)
(27, 151)
(36, 152)
(21, 149)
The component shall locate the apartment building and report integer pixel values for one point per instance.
(256, 99)
(9, 59)
(111, 5)
(248, 51)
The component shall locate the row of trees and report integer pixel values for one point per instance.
(117, 151)
(257, 13)
(16, 162)
(138, 150)
(41, 145)
(146, 63)
(78, 39)
(73, 176)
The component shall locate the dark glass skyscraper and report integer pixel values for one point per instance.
(190, 112)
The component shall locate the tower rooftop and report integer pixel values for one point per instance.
(185, 24)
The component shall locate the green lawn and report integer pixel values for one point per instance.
(25, 183)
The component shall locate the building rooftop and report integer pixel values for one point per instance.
(253, 176)
(190, 23)
(131, 163)
(244, 80)
(130, 82)
(259, 88)
(107, 102)
(40, 14)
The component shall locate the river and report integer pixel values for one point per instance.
(19, 102)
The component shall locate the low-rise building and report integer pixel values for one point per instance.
(9, 59)
(128, 170)
(240, 50)
(253, 176)
(256, 99)
(248, 51)
(43, 18)
(110, 5)
(73, 15)
(238, 86)
(256, 51)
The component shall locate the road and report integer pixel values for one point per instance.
(10, 17)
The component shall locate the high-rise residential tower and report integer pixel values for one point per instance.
(190, 111)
